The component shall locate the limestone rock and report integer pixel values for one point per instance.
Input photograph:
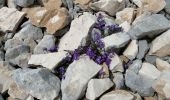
(39, 83)
(161, 45)
(118, 80)
(132, 50)
(50, 60)
(93, 90)
(143, 49)
(11, 3)
(77, 77)
(167, 7)
(52, 4)
(10, 19)
(24, 3)
(82, 2)
(162, 65)
(78, 32)
(2, 2)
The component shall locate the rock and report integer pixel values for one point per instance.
(136, 66)
(161, 45)
(150, 71)
(78, 32)
(167, 7)
(151, 98)
(2, 2)
(151, 59)
(143, 49)
(31, 43)
(47, 42)
(1, 98)
(24, 3)
(105, 70)
(116, 64)
(11, 43)
(39, 83)
(8, 36)
(118, 80)
(10, 19)
(11, 4)
(118, 95)
(126, 26)
(151, 5)
(93, 90)
(77, 77)
(50, 60)
(2, 55)
(132, 50)
(162, 65)
(82, 2)
(53, 20)
(126, 14)
(16, 51)
(117, 40)
(29, 31)
(146, 27)
(52, 4)
(109, 6)
(16, 92)
(5, 76)
(162, 85)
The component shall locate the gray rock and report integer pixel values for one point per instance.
(1, 98)
(78, 33)
(2, 55)
(117, 40)
(151, 59)
(47, 42)
(118, 80)
(5, 76)
(39, 83)
(93, 90)
(16, 51)
(167, 7)
(11, 4)
(8, 36)
(2, 2)
(24, 3)
(136, 66)
(143, 49)
(150, 26)
(29, 31)
(77, 77)
(11, 43)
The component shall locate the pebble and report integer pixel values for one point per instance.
(143, 49)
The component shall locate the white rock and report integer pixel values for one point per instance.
(78, 32)
(132, 50)
(77, 77)
(93, 90)
(126, 26)
(50, 60)
(150, 71)
(162, 65)
(10, 18)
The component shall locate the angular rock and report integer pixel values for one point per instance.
(77, 77)
(52, 4)
(1, 98)
(78, 32)
(10, 19)
(132, 50)
(116, 64)
(82, 2)
(47, 42)
(29, 31)
(150, 26)
(11, 43)
(24, 3)
(109, 6)
(50, 60)
(39, 83)
(143, 49)
(2, 55)
(167, 7)
(11, 4)
(118, 95)
(126, 26)
(126, 14)
(5, 76)
(162, 85)
(136, 66)
(118, 80)
(93, 90)
(162, 65)
(117, 40)
(151, 59)
(151, 5)
(161, 45)
(2, 2)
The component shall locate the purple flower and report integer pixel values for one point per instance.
(53, 49)
(99, 60)
(97, 36)
(68, 58)
(115, 27)
(100, 44)
(100, 24)
(76, 54)
(108, 61)
(62, 72)
(91, 53)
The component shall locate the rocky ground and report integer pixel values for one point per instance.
(84, 50)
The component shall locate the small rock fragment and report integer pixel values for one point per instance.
(167, 7)
(118, 80)
(143, 49)
(11, 4)
(82, 2)
(162, 65)
(24, 3)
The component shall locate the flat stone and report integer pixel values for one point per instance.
(118, 80)
(82, 2)
(50, 60)
(93, 90)
(161, 45)
(167, 7)
(145, 26)
(150, 71)
(126, 14)
(116, 64)
(5, 76)
(47, 42)
(132, 50)
(162, 65)
(117, 40)
(109, 6)
(10, 19)
(78, 32)
(2, 3)
(143, 49)
(39, 83)
(24, 3)
(118, 95)
(151, 5)
(77, 77)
